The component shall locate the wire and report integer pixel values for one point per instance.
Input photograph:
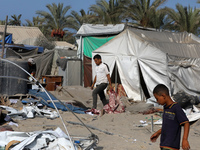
(18, 78)
(5, 60)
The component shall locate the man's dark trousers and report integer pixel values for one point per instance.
(99, 90)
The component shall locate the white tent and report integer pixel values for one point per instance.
(153, 57)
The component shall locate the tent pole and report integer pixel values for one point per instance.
(116, 77)
(81, 54)
(81, 57)
(4, 35)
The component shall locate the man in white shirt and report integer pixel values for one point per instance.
(102, 77)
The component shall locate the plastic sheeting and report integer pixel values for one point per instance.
(43, 61)
(92, 43)
(140, 53)
(184, 74)
(129, 52)
(8, 39)
(100, 29)
(49, 139)
(58, 104)
(23, 48)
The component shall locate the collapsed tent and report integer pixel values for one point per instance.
(49, 139)
(45, 62)
(22, 48)
(147, 58)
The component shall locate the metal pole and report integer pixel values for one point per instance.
(4, 35)
(81, 57)
(152, 124)
(5, 60)
(116, 77)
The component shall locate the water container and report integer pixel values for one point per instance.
(13, 86)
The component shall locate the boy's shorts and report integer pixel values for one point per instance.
(165, 149)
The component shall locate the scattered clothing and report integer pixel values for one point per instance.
(115, 105)
(93, 111)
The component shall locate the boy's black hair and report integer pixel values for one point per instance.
(160, 89)
(97, 56)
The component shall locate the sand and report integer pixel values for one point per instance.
(126, 129)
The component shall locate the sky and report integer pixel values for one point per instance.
(28, 8)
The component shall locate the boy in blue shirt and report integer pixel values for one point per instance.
(173, 118)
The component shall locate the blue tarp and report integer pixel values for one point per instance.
(25, 47)
(8, 39)
(44, 96)
(30, 47)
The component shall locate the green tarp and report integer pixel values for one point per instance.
(92, 43)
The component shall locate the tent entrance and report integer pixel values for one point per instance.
(144, 90)
(115, 79)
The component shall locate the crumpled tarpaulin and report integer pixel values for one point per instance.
(37, 140)
(62, 62)
(192, 114)
(48, 140)
(28, 112)
(60, 106)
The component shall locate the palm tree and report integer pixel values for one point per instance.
(77, 20)
(69, 37)
(107, 12)
(40, 23)
(36, 22)
(15, 20)
(2, 22)
(142, 12)
(158, 19)
(184, 19)
(57, 19)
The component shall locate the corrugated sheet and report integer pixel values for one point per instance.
(21, 33)
(63, 43)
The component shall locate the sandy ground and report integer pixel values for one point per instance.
(127, 134)
(126, 130)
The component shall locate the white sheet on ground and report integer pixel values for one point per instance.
(192, 115)
(30, 111)
(37, 140)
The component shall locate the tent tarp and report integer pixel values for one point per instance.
(25, 47)
(100, 29)
(60, 106)
(8, 39)
(140, 53)
(92, 43)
